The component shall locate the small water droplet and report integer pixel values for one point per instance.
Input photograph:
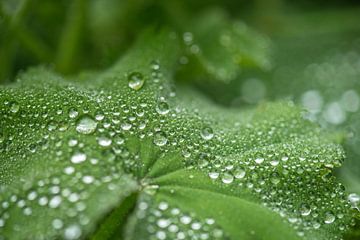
(86, 125)
(14, 107)
(136, 80)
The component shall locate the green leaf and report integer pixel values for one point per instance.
(223, 47)
(127, 154)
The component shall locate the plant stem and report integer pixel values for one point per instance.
(71, 36)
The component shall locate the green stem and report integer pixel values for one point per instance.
(71, 36)
(15, 33)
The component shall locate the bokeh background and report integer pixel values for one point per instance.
(251, 51)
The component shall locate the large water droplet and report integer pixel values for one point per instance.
(354, 200)
(14, 107)
(104, 141)
(160, 139)
(239, 173)
(227, 178)
(72, 232)
(304, 209)
(162, 108)
(207, 133)
(329, 217)
(78, 158)
(136, 80)
(86, 125)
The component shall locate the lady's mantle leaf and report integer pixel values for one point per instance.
(76, 156)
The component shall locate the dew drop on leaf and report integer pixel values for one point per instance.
(305, 209)
(72, 232)
(329, 217)
(104, 141)
(136, 80)
(213, 175)
(239, 173)
(73, 113)
(227, 178)
(160, 139)
(86, 125)
(354, 200)
(162, 108)
(14, 107)
(207, 133)
(78, 158)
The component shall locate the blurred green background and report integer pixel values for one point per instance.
(251, 51)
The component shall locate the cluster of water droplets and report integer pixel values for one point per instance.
(88, 134)
(164, 221)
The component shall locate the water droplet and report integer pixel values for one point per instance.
(160, 139)
(354, 200)
(14, 107)
(304, 209)
(78, 158)
(239, 173)
(126, 126)
(162, 108)
(185, 219)
(329, 217)
(86, 125)
(227, 178)
(136, 80)
(104, 141)
(214, 175)
(55, 202)
(73, 113)
(274, 162)
(275, 178)
(88, 179)
(259, 160)
(72, 232)
(163, 223)
(207, 133)
(57, 223)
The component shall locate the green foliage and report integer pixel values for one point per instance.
(203, 129)
(126, 154)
